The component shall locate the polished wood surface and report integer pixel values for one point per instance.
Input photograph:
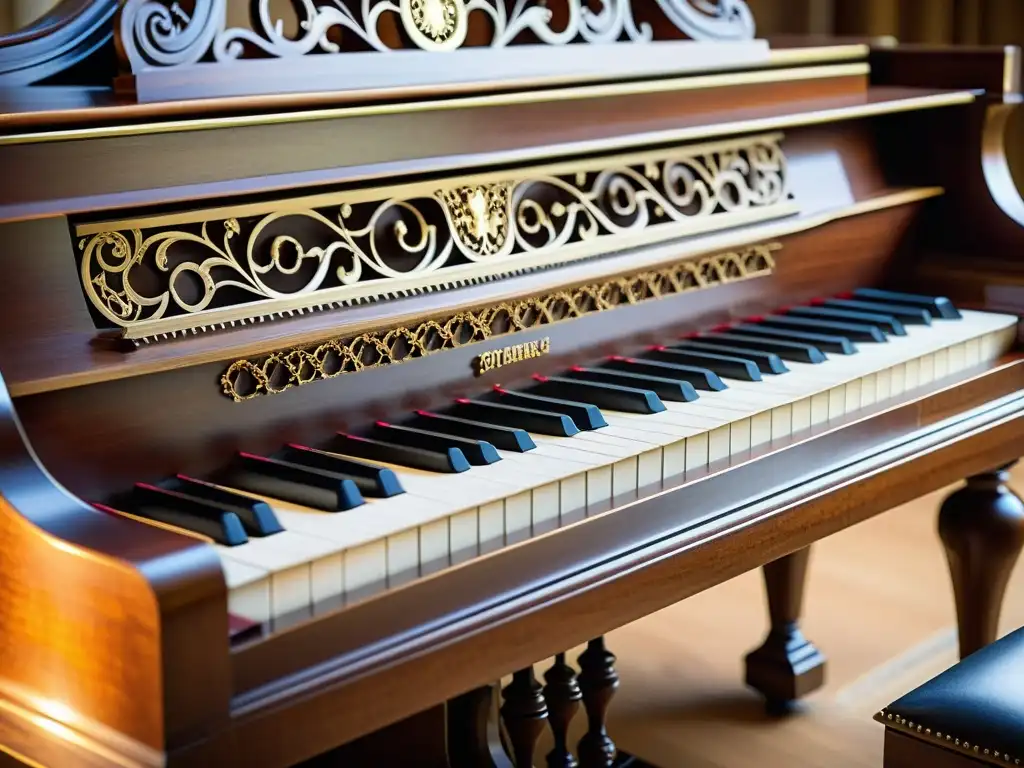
(92, 418)
(982, 528)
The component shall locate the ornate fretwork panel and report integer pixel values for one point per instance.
(245, 379)
(158, 34)
(209, 268)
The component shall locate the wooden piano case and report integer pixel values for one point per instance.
(115, 648)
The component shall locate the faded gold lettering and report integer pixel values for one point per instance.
(514, 353)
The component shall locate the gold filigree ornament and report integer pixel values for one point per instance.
(435, 25)
(280, 371)
(479, 217)
(166, 274)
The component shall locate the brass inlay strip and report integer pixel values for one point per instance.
(789, 57)
(279, 371)
(945, 740)
(754, 77)
(328, 250)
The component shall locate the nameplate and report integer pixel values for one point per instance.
(514, 353)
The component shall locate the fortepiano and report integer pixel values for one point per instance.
(354, 366)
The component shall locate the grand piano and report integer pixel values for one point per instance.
(356, 366)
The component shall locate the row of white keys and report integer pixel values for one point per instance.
(388, 537)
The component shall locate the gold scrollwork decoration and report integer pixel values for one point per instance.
(182, 272)
(245, 379)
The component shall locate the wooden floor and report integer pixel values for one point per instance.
(879, 606)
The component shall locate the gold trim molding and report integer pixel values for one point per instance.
(158, 276)
(277, 372)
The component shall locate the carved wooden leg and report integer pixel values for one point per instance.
(474, 730)
(787, 666)
(598, 682)
(982, 529)
(562, 695)
(524, 713)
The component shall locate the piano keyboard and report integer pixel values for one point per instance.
(310, 528)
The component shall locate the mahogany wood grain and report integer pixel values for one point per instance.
(103, 438)
(588, 593)
(116, 625)
(118, 172)
(829, 166)
(126, 625)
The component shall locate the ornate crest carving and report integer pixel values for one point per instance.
(479, 216)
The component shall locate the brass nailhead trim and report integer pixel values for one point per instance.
(245, 379)
(896, 722)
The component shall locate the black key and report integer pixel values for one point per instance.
(665, 388)
(885, 323)
(176, 509)
(615, 397)
(823, 341)
(291, 482)
(505, 438)
(256, 515)
(906, 315)
(939, 306)
(378, 482)
(476, 451)
(700, 378)
(541, 421)
(766, 362)
(442, 460)
(851, 331)
(787, 350)
(724, 365)
(584, 415)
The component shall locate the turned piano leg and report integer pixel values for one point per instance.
(562, 694)
(598, 683)
(787, 666)
(982, 529)
(524, 713)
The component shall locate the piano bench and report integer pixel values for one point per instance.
(970, 715)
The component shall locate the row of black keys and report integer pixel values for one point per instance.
(470, 431)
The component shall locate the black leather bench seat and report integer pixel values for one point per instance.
(975, 708)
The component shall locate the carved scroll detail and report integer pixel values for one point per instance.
(180, 272)
(168, 33)
(277, 372)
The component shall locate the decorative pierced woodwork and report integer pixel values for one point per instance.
(523, 713)
(158, 276)
(598, 681)
(563, 697)
(164, 34)
(277, 372)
